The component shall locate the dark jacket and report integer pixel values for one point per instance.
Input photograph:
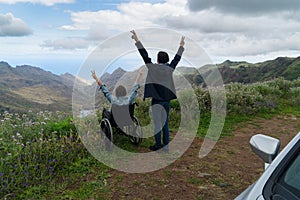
(159, 82)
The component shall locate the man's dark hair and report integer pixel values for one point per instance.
(121, 91)
(162, 57)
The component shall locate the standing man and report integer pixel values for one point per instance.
(160, 87)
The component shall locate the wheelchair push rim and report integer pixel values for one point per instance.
(136, 136)
(106, 133)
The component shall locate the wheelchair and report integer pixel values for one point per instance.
(121, 120)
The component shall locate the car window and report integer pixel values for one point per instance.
(292, 175)
(284, 183)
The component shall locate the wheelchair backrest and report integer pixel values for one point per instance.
(122, 114)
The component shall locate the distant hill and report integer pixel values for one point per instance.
(243, 72)
(111, 79)
(24, 88)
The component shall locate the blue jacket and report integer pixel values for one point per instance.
(121, 100)
(159, 82)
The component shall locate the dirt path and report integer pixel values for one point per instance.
(229, 169)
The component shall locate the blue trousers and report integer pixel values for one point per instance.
(160, 116)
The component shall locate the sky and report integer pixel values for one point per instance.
(59, 35)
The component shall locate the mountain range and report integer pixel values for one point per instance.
(25, 87)
(244, 72)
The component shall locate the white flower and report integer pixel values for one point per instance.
(20, 136)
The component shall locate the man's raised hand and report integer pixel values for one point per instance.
(182, 42)
(134, 36)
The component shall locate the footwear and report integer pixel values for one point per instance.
(155, 147)
(165, 149)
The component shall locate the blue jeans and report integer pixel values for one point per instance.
(160, 116)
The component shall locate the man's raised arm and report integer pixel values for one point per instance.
(141, 48)
(178, 55)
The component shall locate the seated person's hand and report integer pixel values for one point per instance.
(141, 70)
(94, 75)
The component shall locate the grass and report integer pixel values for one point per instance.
(219, 182)
(297, 126)
(119, 178)
(200, 197)
(99, 189)
(40, 94)
(195, 181)
(123, 142)
(76, 184)
(79, 176)
(233, 121)
(168, 173)
(87, 178)
(84, 179)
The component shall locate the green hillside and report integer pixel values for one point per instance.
(243, 72)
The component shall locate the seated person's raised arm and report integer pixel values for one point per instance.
(106, 93)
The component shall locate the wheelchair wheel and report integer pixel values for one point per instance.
(136, 134)
(106, 133)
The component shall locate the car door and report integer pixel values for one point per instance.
(284, 183)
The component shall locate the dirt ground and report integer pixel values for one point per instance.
(227, 170)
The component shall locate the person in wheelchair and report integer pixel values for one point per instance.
(122, 105)
(120, 97)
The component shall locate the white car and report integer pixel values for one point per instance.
(281, 178)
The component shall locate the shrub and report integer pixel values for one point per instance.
(142, 111)
(243, 99)
(30, 155)
(204, 99)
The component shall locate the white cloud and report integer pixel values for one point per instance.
(221, 33)
(11, 26)
(103, 24)
(210, 21)
(128, 16)
(245, 7)
(240, 45)
(44, 2)
(66, 43)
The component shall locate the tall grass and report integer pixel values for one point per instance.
(35, 148)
